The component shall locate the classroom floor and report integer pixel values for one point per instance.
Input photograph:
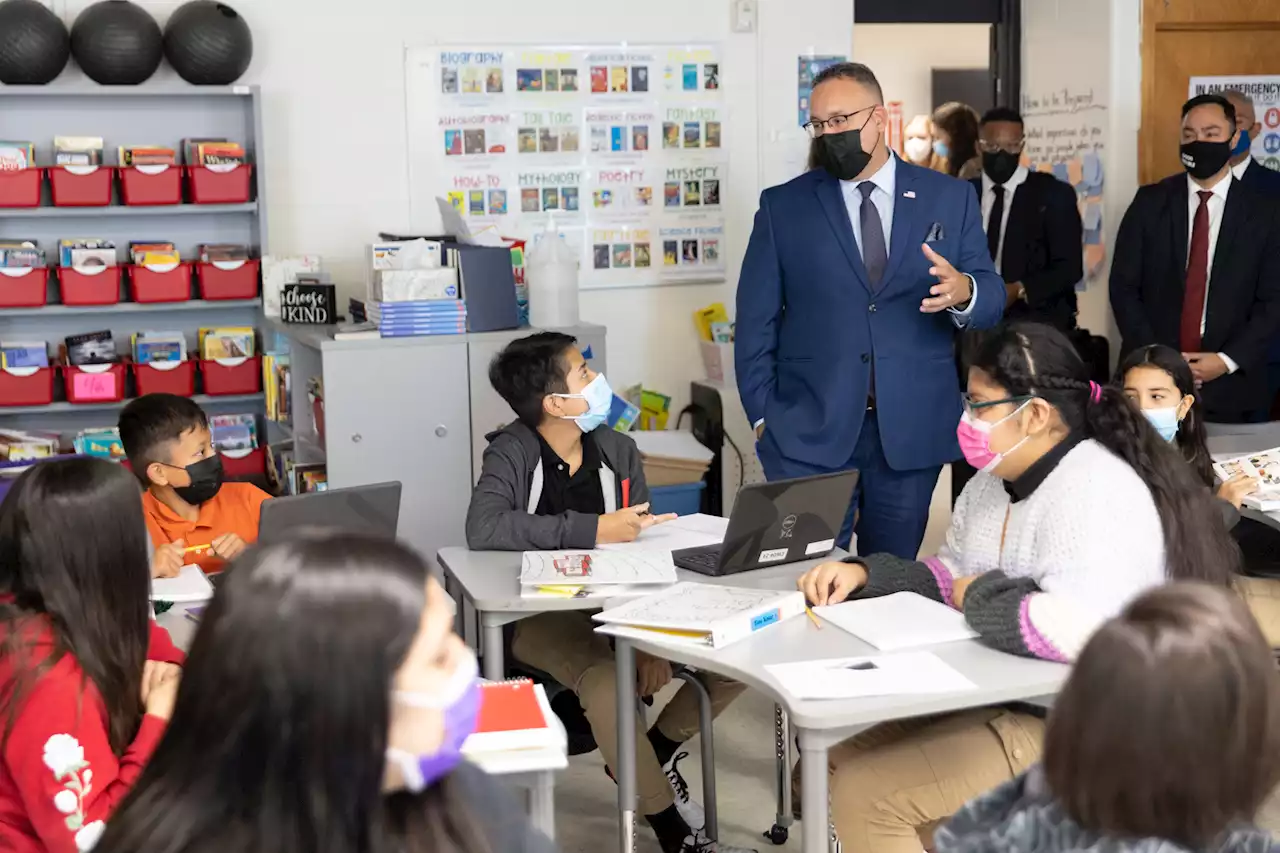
(586, 803)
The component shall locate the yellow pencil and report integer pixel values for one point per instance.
(813, 617)
(191, 548)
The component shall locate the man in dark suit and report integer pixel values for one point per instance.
(1197, 267)
(1244, 166)
(856, 277)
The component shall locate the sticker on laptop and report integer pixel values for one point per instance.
(820, 547)
(773, 556)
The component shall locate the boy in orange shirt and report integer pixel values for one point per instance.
(187, 504)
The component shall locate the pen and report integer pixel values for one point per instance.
(813, 617)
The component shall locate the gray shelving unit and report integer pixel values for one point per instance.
(122, 115)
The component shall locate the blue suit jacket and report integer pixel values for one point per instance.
(809, 327)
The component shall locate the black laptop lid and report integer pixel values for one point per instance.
(787, 520)
(372, 509)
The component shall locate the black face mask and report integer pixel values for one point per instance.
(841, 154)
(206, 480)
(999, 165)
(1205, 159)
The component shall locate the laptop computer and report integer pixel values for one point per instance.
(773, 523)
(372, 509)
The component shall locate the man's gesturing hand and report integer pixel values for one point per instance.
(953, 290)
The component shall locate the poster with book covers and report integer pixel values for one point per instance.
(621, 147)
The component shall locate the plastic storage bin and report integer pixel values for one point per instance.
(242, 464)
(165, 377)
(160, 283)
(228, 279)
(80, 186)
(24, 287)
(219, 185)
(94, 383)
(21, 188)
(224, 376)
(151, 184)
(89, 285)
(682, 500)
(26, 386)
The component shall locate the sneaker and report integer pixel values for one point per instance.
(689, 808)
(699, 843)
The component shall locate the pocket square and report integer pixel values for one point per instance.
(936, 233)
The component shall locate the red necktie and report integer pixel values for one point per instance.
(1197, 277)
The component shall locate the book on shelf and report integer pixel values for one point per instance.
(16, 155)
(22, 445)
(19, 354)
(100, 442)
(225, 342)
(154, 253)
(212, 253)
(77, 150)
(149, 347)
(91, 348)
(146, 155)
(82, 252)
(276, 387)
(234, 432)
(21, 253)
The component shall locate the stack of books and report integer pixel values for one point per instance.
(426, 317)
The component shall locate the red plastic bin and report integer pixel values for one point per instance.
(24, 287)
(80, 186)
(94, 383)
(89, 285)
(21, 188)
(151, 184)
(218, 185)
(231, 375)
(160, 283)
(165, 377)
(228, 279)
(26, 386)
(237, 464)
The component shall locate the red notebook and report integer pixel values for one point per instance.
(514, 715)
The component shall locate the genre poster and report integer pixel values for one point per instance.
(622, 147)
(809, 68)
(1265, 92)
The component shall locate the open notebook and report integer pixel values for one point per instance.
(191, 584)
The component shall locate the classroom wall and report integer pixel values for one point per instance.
(332, 75)
(904, 55)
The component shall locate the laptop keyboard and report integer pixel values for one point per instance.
(702, 561)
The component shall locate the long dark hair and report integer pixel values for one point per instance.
(1192, 439)
(73, 555)
(1196, 750)
(278, 738)
(960, 123)
(1033, 360)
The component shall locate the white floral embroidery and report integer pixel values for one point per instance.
(64, 755)
(86, 838)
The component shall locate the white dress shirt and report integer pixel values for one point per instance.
(989, 201)
(1239, 169)
(1217, 204)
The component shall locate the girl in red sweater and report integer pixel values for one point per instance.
(87, 679)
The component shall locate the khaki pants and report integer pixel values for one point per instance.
(892, 785)
(566, 647)
(1263, 597)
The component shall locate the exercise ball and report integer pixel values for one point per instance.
(208, 43)
(117, 43)
(34, 45)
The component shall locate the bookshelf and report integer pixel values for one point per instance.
(143, 115)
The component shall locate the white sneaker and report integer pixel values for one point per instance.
(699, 843)
(689, 808)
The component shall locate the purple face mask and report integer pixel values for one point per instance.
(460, 703)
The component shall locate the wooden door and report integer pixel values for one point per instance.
(1186, 38)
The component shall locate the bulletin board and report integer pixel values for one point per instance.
(621, 146)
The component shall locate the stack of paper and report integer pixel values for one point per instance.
(701, 614)
(903, 620)
(882, 675)
(687, 531)
(577, 573)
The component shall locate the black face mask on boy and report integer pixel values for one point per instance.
(206, 479)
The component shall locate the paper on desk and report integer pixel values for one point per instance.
(191, 584)
(903, 620)
(610, 591)
(687, 531)
(906, 673)
(548, 568)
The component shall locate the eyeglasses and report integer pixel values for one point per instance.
(978, 405)
(992, 147)
(835, 124)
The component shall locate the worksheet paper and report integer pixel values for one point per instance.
(903, 620)
(907, 673)
(547, 568)
(687, 531)
(191, 584)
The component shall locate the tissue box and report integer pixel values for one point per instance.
(405, 254)
(414, 285)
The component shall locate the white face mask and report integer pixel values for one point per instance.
(917, 149)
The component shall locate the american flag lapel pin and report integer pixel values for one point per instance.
(909, 194)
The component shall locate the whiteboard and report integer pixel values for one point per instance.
(621, 146)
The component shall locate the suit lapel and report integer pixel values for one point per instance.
(832, 200)
(904, 219)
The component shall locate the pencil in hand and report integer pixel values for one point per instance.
(813, 617)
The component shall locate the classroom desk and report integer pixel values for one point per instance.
(1230, 440)
(822, 724)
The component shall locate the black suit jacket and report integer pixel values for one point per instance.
(1043, 249)
(1148, 281)
(1262, 180)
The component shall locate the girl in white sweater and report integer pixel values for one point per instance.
(1078, 507)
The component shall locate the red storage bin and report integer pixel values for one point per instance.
(151, 184)
(21, 187)
(165, 377)
(231, 375)
(160, 283)
(89, 285)
(26, 386)
(24, 287)
(228, 279)
(219, 185)
(238, 464)
(94, 383)
(80, 186)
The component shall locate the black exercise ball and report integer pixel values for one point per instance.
(117, 43)
(208, 43)
(34, 45)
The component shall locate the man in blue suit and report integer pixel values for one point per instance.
(1246, 169)
(857, 277)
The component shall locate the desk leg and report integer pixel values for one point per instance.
(782, 748)
(494, 666)
(625, 661)
(815, 824)
(542, 804)
(454, 591)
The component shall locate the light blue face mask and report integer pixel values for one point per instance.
(1243, 145)
(599, 397)
(1165, 421)
(941, 148)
